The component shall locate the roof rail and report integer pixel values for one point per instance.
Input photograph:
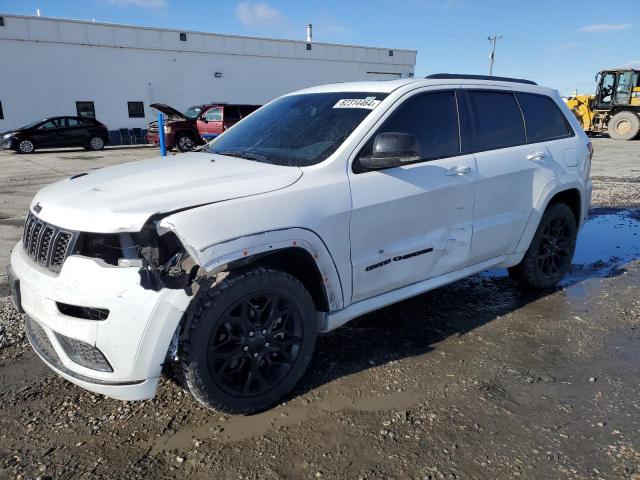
(461, 76)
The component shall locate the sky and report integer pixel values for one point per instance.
(560, 44)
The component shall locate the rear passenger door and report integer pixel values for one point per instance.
(511, 172)
(231, 116)
(74, 132)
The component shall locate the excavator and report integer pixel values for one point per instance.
(615, 107)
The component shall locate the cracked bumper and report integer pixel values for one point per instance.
(134, 337)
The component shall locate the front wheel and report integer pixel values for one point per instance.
(624, 126)
(26, 146)
(249, 341)
(184, 143)
(549, 256)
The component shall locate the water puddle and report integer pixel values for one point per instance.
(609, 239)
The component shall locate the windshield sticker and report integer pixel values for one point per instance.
(366, 103)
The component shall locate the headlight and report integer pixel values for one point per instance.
(7, 135)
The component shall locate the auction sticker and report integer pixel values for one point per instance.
(366, 103)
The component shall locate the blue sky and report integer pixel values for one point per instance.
(560, 43)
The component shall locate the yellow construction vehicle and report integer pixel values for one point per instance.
(615, 107)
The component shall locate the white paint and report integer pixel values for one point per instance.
(56, 62)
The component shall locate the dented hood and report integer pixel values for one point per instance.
(123, 197)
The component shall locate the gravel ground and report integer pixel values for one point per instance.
(474, 380)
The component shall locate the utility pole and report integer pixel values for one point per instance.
(493, 41)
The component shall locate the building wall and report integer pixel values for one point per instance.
(50, 64)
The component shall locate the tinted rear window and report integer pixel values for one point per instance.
(543, 119)
(497, 119)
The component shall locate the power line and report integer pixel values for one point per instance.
(492, 39)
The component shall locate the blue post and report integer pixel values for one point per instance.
(163, 148)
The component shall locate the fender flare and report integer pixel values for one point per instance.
(550, 189)
(216, 257)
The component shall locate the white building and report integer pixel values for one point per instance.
(53, 66)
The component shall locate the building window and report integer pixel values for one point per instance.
(391, 53)
(1, 112)
(86, 109)
(183, 37)
(136, 109)
(1, 21)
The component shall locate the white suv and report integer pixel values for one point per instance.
(325, 204)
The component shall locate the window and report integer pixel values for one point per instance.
(542, 118)
(433, 118)
(231, 114)
(247, 109)
(86, 109)
(213, 114)
(49, 124)
(183, 37)
(193, 112)
(1, 112)
(136, 109)
(497, 119)
(73, 122)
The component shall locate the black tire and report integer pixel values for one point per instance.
(185, 142)
(249, 341)
(26, 146)
(550, 253)
(96, 143)
(624, 126)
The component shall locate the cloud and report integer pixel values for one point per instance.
(136, 3)
(632, 64)
(441, 4)
(258, 14)
(605, 27)
(571, 45)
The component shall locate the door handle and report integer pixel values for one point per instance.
(456, 171)
(537, 156)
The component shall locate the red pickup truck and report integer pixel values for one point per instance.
(197, 125)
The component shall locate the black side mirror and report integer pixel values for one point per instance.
(391, 149)
(203, 119)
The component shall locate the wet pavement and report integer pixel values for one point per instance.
(478, 379)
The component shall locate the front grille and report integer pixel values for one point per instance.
(84, 354)
(47, 244)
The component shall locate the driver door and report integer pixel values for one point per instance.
(414, 222)
(212, 127)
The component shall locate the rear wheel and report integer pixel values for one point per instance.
(249, 341)
(184, 142)
(26, 146)
(549, 256)
(624, 126)
(96, 143)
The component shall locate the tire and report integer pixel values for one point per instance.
(184, 142)
(26, 146)
(239, 355)
(95, 143)
(549, 255)
(624, 126)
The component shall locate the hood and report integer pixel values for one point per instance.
(167, 110)
(123, 197)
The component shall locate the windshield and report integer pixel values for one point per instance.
(297, 130)
(33, 124)
(193, 112)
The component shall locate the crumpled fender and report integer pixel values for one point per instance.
(217, 256)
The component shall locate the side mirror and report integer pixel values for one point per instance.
(391, 149)
(203, 119)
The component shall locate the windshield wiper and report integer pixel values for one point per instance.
(243, 154)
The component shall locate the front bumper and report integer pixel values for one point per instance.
(134, 338)
(8, 143)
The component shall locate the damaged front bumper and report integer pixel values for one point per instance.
(118, 352)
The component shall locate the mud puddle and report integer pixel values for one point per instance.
(609, 239)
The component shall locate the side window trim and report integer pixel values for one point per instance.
(376, 128)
